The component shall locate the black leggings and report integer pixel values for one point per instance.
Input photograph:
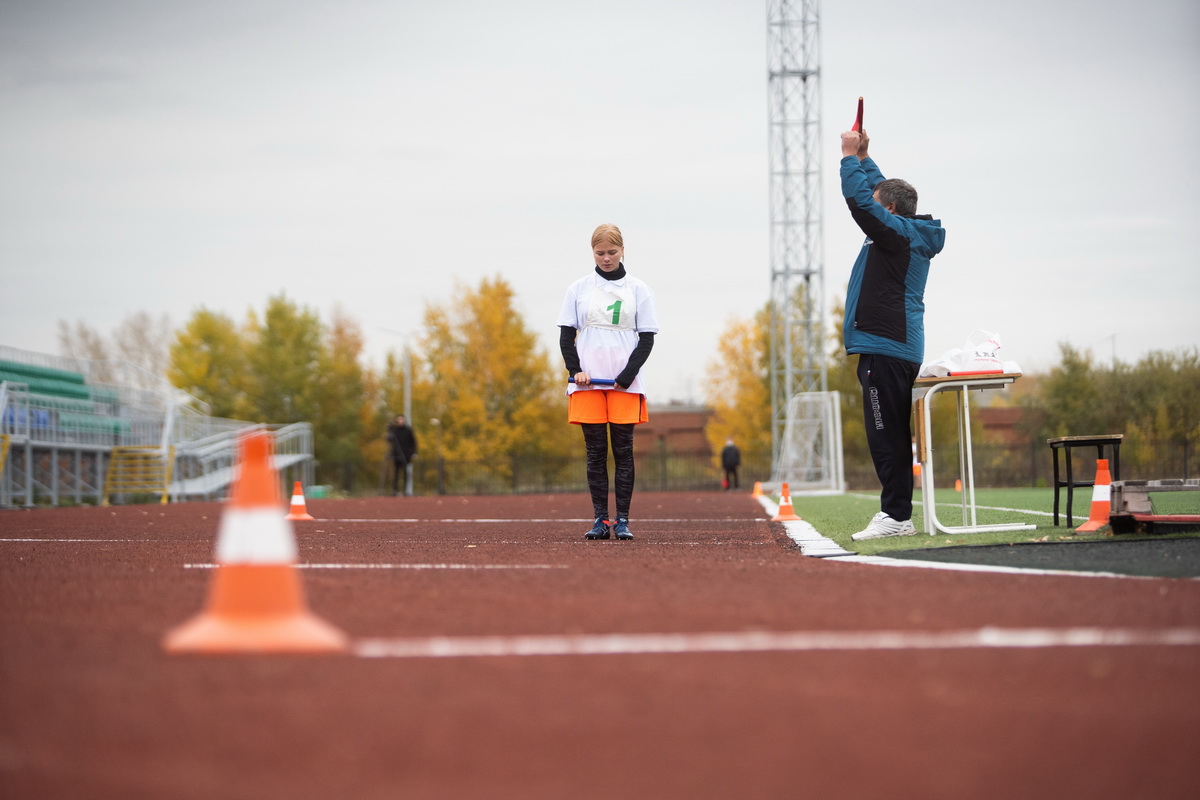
(595, 438)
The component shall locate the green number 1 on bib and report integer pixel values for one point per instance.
(616, 309)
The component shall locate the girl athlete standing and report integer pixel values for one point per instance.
(607, 326)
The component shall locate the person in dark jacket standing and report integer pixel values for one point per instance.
(885, 321)
(403, 444)
(731, 459)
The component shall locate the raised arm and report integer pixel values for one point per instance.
(860, 175)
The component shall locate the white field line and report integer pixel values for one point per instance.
(812, 543)
(404, 566)
(762, 641)
(958, 504)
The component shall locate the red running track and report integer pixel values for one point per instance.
(838, 680)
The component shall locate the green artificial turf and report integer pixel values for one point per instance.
(839, 516)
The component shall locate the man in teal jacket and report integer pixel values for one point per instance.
(884, 324)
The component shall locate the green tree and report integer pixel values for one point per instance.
(340, 399)
(283, 360)
(207, 360)
(1071, 396)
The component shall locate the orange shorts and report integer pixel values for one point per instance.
(604, 405)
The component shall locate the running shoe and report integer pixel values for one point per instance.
(882, 525)
(621, 529)
(599, 530)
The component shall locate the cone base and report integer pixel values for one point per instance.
(301, 632)
(294, 516)
(1091, 525)
(788, 517)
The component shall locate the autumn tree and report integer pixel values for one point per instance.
(134, 355)
(1154, 403)
(738, 389)
(207, 359)
(141, 340)
(340, 399)
(496, 396)
(83, 342)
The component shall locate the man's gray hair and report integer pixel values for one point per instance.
(894, 190)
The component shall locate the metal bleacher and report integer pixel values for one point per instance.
(64, 432)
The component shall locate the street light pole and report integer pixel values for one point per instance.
(408, 467)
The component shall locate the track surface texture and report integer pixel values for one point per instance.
(91, 706)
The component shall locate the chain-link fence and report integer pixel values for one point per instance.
(663, 470)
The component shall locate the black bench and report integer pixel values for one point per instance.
(1066, 443)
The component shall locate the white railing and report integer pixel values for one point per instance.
(153, 414)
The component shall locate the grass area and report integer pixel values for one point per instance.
(837, 517)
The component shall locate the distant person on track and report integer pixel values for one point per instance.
(731, 459)
(402, 443)
(606, 331)
(884, 323)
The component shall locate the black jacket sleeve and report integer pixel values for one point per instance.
(566, 343)
(636, 359)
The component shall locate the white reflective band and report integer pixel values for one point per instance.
(1102, 492)
(765, 641)
(257, 536)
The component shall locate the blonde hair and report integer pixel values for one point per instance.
(607, 233)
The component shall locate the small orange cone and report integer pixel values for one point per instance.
(958, 484)
(298, 511)
(786, 512)
(758, 492)
(256, 602)
(1101, 499)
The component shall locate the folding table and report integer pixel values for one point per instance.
(924, 392)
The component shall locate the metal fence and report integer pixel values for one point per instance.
(657, 470)
(1026, 464)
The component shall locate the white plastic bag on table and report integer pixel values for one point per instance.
(980, 353)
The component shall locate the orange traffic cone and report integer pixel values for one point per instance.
(256, 602)
(758, 492)
(958, 485)
(786, 513)
(1101, 499)
(298, 511)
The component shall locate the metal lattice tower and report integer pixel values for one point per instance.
(797, 362)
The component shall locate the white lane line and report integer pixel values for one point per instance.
(811, 542)
(72, 541)
(571, 520)
(759, 642)
(403, 566)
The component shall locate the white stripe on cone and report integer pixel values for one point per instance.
(255, 536)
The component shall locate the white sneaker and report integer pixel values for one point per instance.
(882, 525)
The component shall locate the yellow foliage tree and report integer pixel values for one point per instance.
(738, 389)
(494, 391)
(208, 361)
(340, 399)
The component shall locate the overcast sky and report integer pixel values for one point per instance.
(162, 156)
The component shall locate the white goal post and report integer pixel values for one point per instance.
(810, 458)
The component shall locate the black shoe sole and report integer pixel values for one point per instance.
(625, 537)
(596, 535)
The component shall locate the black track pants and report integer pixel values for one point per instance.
(887, 409)
(596, 440)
